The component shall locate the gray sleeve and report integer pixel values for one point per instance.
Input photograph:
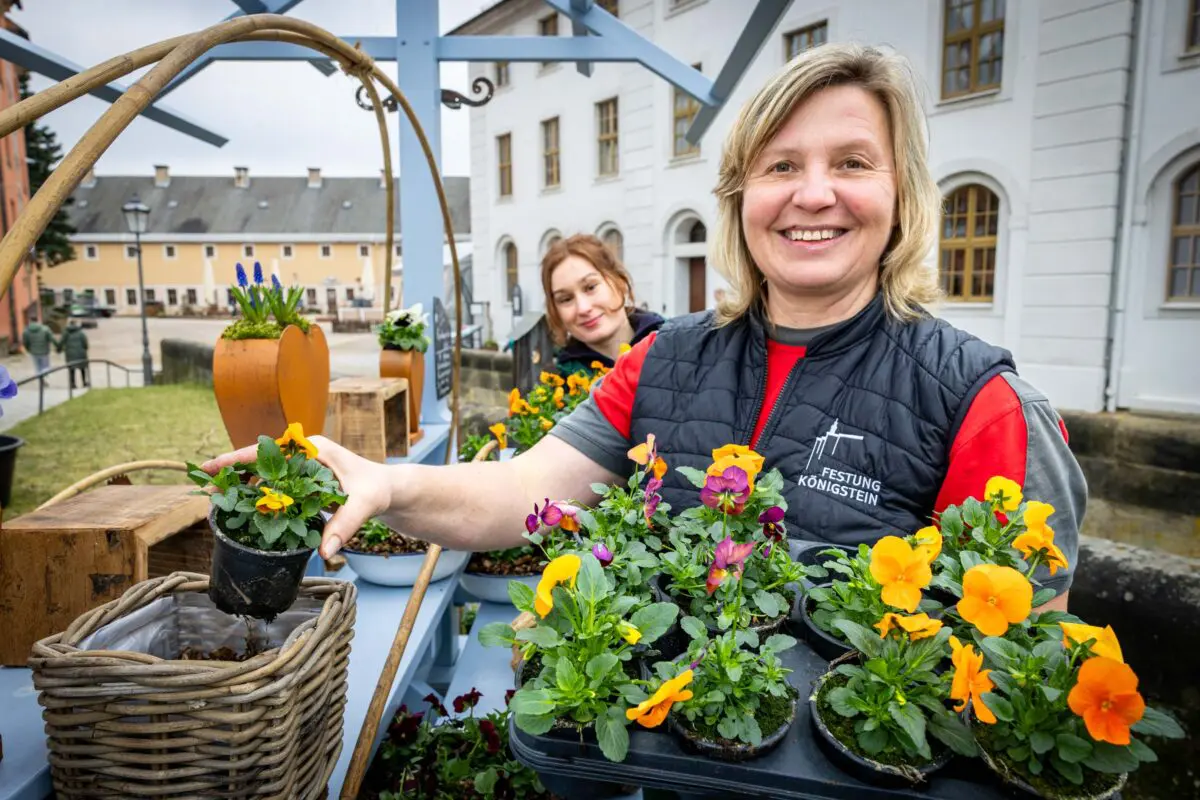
(1053, 476)
(589, 432)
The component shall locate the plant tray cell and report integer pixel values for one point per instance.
(798, 768)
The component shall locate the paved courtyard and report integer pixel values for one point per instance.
(119, 339)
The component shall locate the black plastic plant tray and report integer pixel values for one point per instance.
(798, 768)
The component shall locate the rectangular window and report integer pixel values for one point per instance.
(684, 110)
(110, 297)
(150, 296)
(248, 251)
(611, 6)
(91, 252)
(398, 251)
(972, 46)
(548, 26)
(172, 297)
(228, 297)
(192, 298)
(550, 175)
(169, 251)
(1193, 26)
(797, 42)
(500, 74)
(349, 293)
(310, 295)
(210, 251)
(131, 251)
(364, 251)
(606, 137)
(504, 162)
(131, 297)
(326, 251)
(68, 296)
(285, 251)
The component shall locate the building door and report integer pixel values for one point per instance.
(696, 292)
(331, 300)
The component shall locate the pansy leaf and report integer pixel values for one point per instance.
(270, 463)
(272, 527)
(951, 731)
(779, 642)
(751, 732)
(839, 700)
(497, 634)
(566, 675)
(859, 637)
(911, 721)
(1002, 652)
(1068, 769)
(531, 702)
(1041, 742)
(1043, 596)
(539, 635)
(969, 559)
(535, 724)
(312, 539)
(225, 501)
(950, 522)
(1111, 758)
(236, 521)
(746, 638)
(695, 476)
(654, 620)
(600, 488)
(999, 706)
(591, 584)
(521, 595)
(1072, 748)
(1158, 723)
(872, 741)
(693, 628)
(599, 666)
(1141, 751)
(612, 734)
(485, 781)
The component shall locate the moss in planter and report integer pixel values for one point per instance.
(245, 329)
(842, 729)
(1049, 783)
(773, 713)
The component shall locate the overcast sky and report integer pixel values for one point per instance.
(280, 118)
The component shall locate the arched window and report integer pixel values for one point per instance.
(967, 251)
(698, 233)
(615, 242)
(510, 269)
(1183, 271)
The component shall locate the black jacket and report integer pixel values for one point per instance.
(575, 355)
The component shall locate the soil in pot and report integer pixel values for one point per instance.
(395, 544)
(1095, 786)
(885, 768)
(527, 562)
(775, 714)
(249, 582)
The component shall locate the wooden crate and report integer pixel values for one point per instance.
(60, 562)
(369, 416)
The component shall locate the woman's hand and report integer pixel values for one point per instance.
(366, 484)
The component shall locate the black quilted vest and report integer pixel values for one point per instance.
(861, 431)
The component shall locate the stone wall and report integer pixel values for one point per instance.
(185, 362)
(486, 381)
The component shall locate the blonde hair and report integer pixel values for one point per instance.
(905, 281)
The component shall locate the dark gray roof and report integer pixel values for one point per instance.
(212, 204)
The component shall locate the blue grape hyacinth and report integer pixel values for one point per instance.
(241, 276)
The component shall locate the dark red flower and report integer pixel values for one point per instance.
(488, 729)
(468, 700)
(508, 696)
(435, 703)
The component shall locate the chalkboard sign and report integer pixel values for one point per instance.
(443, 349)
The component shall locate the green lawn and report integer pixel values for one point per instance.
(106, 427)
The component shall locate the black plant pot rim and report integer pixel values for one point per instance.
(390, 346)
(913, 775)
(10, 442)
(827, 645)
(1017, 779)
(725, 750)
(229, 541)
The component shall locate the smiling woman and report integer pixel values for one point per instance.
(822, 360)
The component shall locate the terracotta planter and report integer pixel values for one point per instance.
(263, 385)
(410, 364)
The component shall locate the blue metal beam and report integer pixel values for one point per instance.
(25, 53)
(266, 6)
(758, 29)
(581, 7)
(252, 6)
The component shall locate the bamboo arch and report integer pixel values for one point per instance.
(173, 56)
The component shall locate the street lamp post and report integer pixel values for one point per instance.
(137, 215)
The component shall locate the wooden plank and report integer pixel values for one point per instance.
(147, 510)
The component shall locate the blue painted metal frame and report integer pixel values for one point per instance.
(25, 53)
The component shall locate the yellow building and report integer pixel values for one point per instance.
(325, 234)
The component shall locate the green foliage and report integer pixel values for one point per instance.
(853, 595)
(404, 328)
(896, 698)
(266, 310)
(304, 487)
(250, 329)
(374, 532)
(471, 446)
(554, 397)
(42, 154)
(735, 675)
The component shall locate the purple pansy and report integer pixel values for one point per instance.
(728, 491)
(549, 516)
(602, 553)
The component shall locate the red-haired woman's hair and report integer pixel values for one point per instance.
(600, 256)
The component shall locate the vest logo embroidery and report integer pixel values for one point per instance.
(838, 483)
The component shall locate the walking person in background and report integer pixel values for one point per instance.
(75, 346)
(37, 341)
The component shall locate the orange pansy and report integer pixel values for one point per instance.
(901, 570)
(652, 712)
(994, 597)
(929, 541)
(1106, 696)
(970, 682)
(736, 455)
(1105, 643)
(295, 435)
(917, 626)
(1040, 539)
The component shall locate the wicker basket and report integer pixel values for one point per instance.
(122, 723)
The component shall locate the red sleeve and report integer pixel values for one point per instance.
(993, 440)
(614, 396)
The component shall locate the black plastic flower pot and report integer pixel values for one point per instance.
(675, 640)
(825, 644)
(1021, 783)
(9, 445)
(862, 767)
(724, 750)
(250, 582)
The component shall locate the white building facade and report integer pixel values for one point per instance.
(1065, 136)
